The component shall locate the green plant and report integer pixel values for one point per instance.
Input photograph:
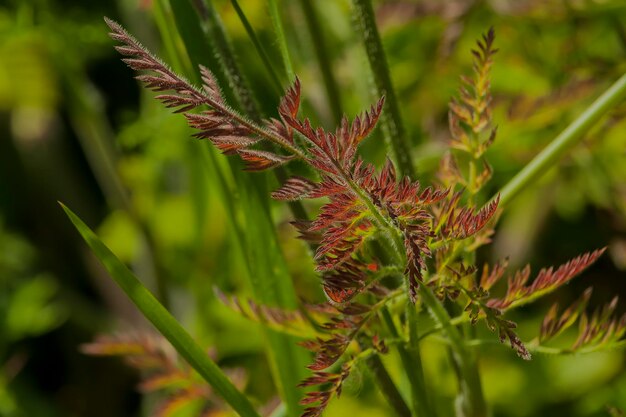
(389, 251)
(29, 307)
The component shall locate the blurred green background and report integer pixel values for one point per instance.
(76, 127)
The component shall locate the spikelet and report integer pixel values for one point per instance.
(548, 280)
(162, 372)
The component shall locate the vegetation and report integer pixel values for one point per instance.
(399, 288)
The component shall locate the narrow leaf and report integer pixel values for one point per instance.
(165, 323)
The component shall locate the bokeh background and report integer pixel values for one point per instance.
(76, 127)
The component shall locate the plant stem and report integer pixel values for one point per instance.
(391, 118)
(547, 158)
(282, 40)
(316, 32)
(472, 400)
(412, 363)
(388, 388)
(259, 48)
(416, 375)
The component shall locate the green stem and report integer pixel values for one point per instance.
(282, 40)
(412, 363)
(165, 323)
(388, 388)
(259, 47)
(321, 51)
(392, 119)
(535, 347)
(472, 400)
(547, 158)
(421, 403)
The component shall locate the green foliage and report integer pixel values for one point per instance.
(165, 323)
(29, 307)
(364, 205)
(187, 220)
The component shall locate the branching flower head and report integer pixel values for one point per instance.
(376, 225)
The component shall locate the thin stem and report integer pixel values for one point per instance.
(472, 401)
(282, 40)
(421, 403)
(547, 158)
(412, 363)
(534, 347)
(388, 388)
(259, 47)
(321, 51)
(392, 119)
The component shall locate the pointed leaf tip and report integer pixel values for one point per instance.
(165, 323)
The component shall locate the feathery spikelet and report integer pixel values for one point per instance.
(547, 280)
(333, 383)
(344, 283)
(555, 324)
(603, 329)
(292, 322)
(470, 114)
(162, 372)
(295, 188)
(223, 126)
(490, 277)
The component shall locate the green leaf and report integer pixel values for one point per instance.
(391, 120)
(165, 323)
(547, 158)
(281, 40)
(258, 46)
(32, 308)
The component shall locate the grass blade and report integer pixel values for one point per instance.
(321, 51)
(564, 142)
(272, 285)
(282, 40)
(259, 47)
(392, 119)
(165, 323)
